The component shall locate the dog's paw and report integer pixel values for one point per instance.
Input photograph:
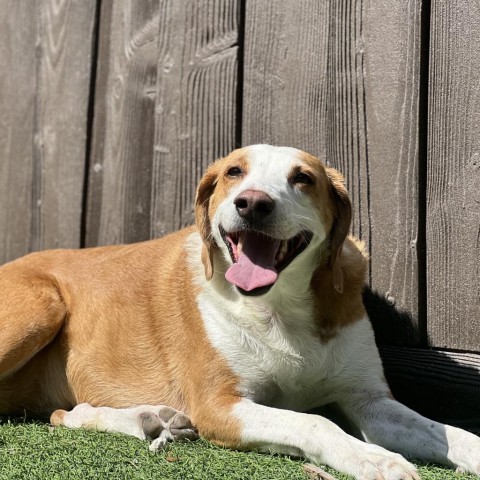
(388, 469)
(376, 463)
(166, 425)
(463, 450)
(58, 418)
(152, 425)
(181, 428)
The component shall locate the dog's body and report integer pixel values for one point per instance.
(242, 322)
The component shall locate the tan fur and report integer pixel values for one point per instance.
(57, 417)
(335, 211)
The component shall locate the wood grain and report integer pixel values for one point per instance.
(17, 84)
(344, 86)
(316, 473)
(286, 82)
(45, 79)
(196, 104)
(164, 109)
(392, 33)
(119, 196)
(453, 181)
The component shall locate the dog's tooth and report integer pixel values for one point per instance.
(281, 252)
(241, 237)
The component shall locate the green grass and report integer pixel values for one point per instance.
(32, 450)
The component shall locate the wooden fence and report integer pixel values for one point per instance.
(111, 110)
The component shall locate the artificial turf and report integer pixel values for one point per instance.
(33, 450)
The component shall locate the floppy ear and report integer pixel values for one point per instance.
(341, 224)
(204, 192)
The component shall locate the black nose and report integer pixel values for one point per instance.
(254, 205)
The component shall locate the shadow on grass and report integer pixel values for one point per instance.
(23, 420)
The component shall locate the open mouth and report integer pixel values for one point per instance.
(258, 259)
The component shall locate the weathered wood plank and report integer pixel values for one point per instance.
(196, 104)
(453, 181)
(165, 108)
(392, 66)
(344, 86)
(45, 70)
(17, 84)
(118, 207)
(66, 36)
(286, 74)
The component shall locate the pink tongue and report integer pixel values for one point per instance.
(255, 266)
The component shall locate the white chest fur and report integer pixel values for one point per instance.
(259, 346)
(280, 361)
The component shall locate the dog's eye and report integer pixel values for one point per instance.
(302, 178)
(234, 172)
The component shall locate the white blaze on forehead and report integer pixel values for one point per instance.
(270, 166)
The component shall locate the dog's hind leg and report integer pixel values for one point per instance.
(31, 314)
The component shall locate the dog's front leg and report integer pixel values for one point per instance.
(388, 423)
(317, 439)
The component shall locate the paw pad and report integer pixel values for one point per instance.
(168, 425)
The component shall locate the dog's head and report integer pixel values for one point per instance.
(262, 207)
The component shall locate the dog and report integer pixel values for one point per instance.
(235, 327)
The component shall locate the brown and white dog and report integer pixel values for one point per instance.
(242, 322)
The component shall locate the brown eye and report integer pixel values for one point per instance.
(234, 172)
(302, 179)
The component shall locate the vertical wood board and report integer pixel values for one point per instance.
(196, 103)
(45, 76)
(66, 37)
(391, 43)
(17, 84)
(119, 195)
(286, 82)
(453, 188)
(344, 87)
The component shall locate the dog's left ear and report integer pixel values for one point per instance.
(202, 202)
(341, 225)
